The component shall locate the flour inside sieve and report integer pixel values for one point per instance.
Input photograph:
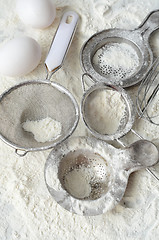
(105, 111)
(116, 60)
(84, 174)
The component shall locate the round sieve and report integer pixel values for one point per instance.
(120, 57)
(103, 104)
(87, 176)
(36, 100)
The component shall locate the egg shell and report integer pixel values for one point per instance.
(36, 13)
(19, 56)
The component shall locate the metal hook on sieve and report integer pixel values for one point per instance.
(21, 153)
(84, 82)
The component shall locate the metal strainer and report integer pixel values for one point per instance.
(95, 112)
(100, 54)
(36, 100)
(87, 176)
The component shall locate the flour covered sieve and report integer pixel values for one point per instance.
(118, 56)
(88, 177)
(95, 113)
(36, 100)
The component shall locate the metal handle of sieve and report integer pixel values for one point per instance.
(61, 41)
(140, 137)
(149, 25)
(21, 154)
(84, 82)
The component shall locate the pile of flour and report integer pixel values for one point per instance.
(116, 60)
(44, 130)
(104, 110)
(27, 211)
(77, 182)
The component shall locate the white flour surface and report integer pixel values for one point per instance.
(27, 211)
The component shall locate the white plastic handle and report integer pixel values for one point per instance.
(62, 41)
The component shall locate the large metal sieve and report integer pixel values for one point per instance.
(35, 100)
(100, 52)
(87, 176)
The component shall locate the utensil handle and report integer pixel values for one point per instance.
(149, 25)
(61, 41)
(142, 154)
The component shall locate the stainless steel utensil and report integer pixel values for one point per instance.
(35, 100)
(87, 176)
(125, 123)
(147, 102)
(132, 44)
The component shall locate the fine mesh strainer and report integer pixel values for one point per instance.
(101, 53)
(87, 176)
(36, 100)
(98, 118)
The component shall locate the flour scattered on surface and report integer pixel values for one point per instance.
(105, 109)
(44, 130)
(30, 212)
(116, 60)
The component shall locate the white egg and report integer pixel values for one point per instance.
(36, 13)
(19, 56)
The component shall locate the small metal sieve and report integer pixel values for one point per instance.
(36, 100)
(87, 176)
(95, 115)
(100, 54)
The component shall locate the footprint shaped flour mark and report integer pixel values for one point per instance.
(102, 7)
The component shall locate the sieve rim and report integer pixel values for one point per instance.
(61, 89)
(89, 47)
(128, 102)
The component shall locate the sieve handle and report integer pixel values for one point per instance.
(142, 154)
(149, 25)
(62, 40)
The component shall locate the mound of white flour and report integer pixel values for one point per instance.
(27, 211)
(116, 60)
(103, 108)
(44, 130)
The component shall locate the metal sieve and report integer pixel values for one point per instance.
(100, 52)
(36, 100)
(97, 118)
(87, 176)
